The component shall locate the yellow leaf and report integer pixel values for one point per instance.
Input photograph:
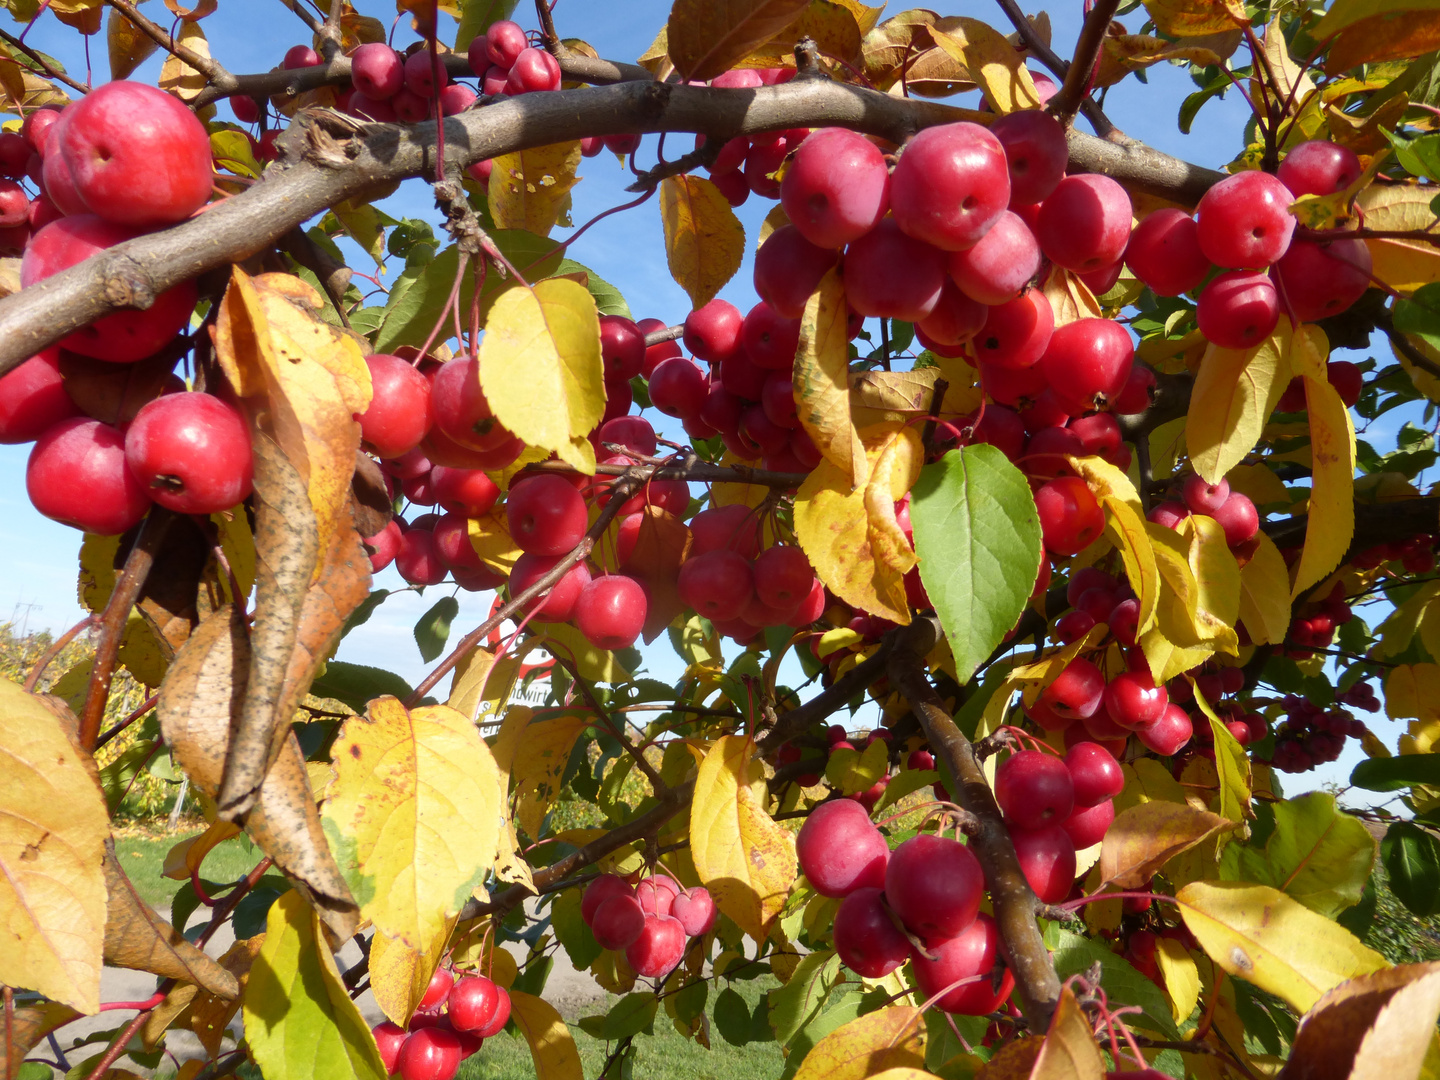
(897, 397)
(596, 665)
(1404, 265)
(1259, 484)
(850, 550)
(704, 240)
(1181, 974)
(128, 47)
(1261, 935)
(1232, 766)
(1398, 1006)
(1147, 780)
(397, 773)
(1265, 593)
(529, 188)
(540, 367)
(706, 37)
(1196, 18)
(744, 857)
(1125, 527)
(991, 61)
(178, 77)
(186, 857)
(1235, 393)
(551, 1044)
(892, 1038)
(53, 827)
(299, 1019)
(1069, 1051)
(1070, 298)
(482, 685)
(1217, 578)
(399, 975)
(1143, 838)
(302, 380)
(1395, 35)
(1331, 523)
(821, 379)
(539, 762)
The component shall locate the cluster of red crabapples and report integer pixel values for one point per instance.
(454, 1018)
(650, 921)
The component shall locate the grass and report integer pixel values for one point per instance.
(667, 1055)
(142, 857)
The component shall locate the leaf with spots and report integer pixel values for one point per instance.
(892, 1038)
(538, 764)
(704, 240)
(529, 188)
(413, 813)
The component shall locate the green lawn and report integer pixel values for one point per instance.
(143, 857)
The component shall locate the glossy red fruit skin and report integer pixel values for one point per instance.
(1324, 279)
(1016, 335)
(417, 560)
(1085, 223)
(783, 576)
(386, 544)
(658, 949)
(655, 895)
(840, 850)
(610, 611)
(678, 387)
(1076, 692)
(1047, 859)
(1136, 395)
(473, 1001)
(33, 398)
(1244, 221)
(388, 1039)
(1318, 167)
(952, 182)
(1000, 264)
(441, 982)
(1133, 700)
(1086, 827)
(123, 336)
(973, 952)
(1164, 252)
(1238, 309)
(1347, 378)
(716, 584)
(1036, 152)
(1034, 789)
(837, 187)
(811, 608)
(460, 409)
(559, 603)
(1169, 734)
(712, 332)
(191, 451)
(546, 515)
(1070, 517)
(695, 910)
(733, 527)
(600, 890)
(298, 56)
(954, 320)
(866, 940)
(770, 341)
(1203, 497)
(137, 155)
(432, 1053)
(463, 491)
(399, 414)
(77, 475)
(618, 922)
(934, 885)
(788, 268)
(452, 544)
(1238, 518)
(622, 347)
(1094, 772)
(1087, 363)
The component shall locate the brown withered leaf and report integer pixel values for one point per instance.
(832, 26)
(199, 702)
(706, 37)
(128, 47)
(169, 1013)
(28, 1026)
(1375, 1027)
(209, 1014)
(113, 393)
(661, 547)
(168, 600)
(369, 499)
(138, 938)
(1123, 53)
(905, 39)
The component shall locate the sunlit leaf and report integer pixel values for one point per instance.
(704, 240)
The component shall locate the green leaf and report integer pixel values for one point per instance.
(419, 295)
(361, 615)
(254, 908)
(477, 15)
(1396, 773)
(690, 1000)
(1318, 855)
(356, 684)
(433, 629)
(1420, 314)
(631, 1015)
(732, 1017)
(1123, 985)
(978, 538)
(800, 1000)
(1412, 859)
(299, 1020)
(608, 300)
(571, 931)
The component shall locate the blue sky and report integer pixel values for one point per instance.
(37, 580)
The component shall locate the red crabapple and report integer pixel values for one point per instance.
(972, 954)
(33, 398)
(77, 475)
(1047, 859)
(733, 527)
(867, 942)
(430, 1053)
(712, 332)
(840, 850)
(778, 402)
(1070, 518)
(546, 515)
(388, 1039)
(474, 1002)
(1133, 700)
(836, 188)
(788, 268)
(1324, 279)
(469, 492)
(418, 560)
(1034, 789)
(1087, 826)
(503, 42)
(1015, 387)
(1169, 734)
(1169, 514)
(1036, 152)
(1099, 434)
(716, 584)
(377, 70)
(452, 544)
(1318, 168)
(1085, 222)
(632, 432)
(955, 318)
(1016, 334)
(1238, 309)
(622, 347)
(191, 451)
(385, 546)
(610, 612)
(657, 950)
(1094, 773)
(1347, 379)
(300, 56)
(399, 414)
(440, 984)
(1087, 363)
(655, 897)
(1137, 394)
(696, 911)
(1076, 692)
(742, 377)
(600, 890)
(952, 182)
(1000, 264)
(461, 411)
(1244, 221)
(419, 74)
(677, 387)
(1238, 518)
(618, 922)
(934, 885)
(783, 577)
(559, 602)
(1164, 252)
(1203, 497)
(770, 340)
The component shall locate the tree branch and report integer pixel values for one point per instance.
(1081, 72)
(330, 157)
(212, 69)
(1058, 67)
(1013, 900)
(1375, 523)
(49, 69)
(854, 681)
(700, 471)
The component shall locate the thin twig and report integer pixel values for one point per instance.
(637, 754)
(1081, 73)
(304, 14)
(44, 65)
(116, 1048)
(212, 69)
(55, 649)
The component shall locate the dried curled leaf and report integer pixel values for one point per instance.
(707, 37)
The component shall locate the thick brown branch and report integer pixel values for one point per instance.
(1013, 900)
(1081, 71)
(700, 471)
(854, 681)
(330, 157)
(1375, 523)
